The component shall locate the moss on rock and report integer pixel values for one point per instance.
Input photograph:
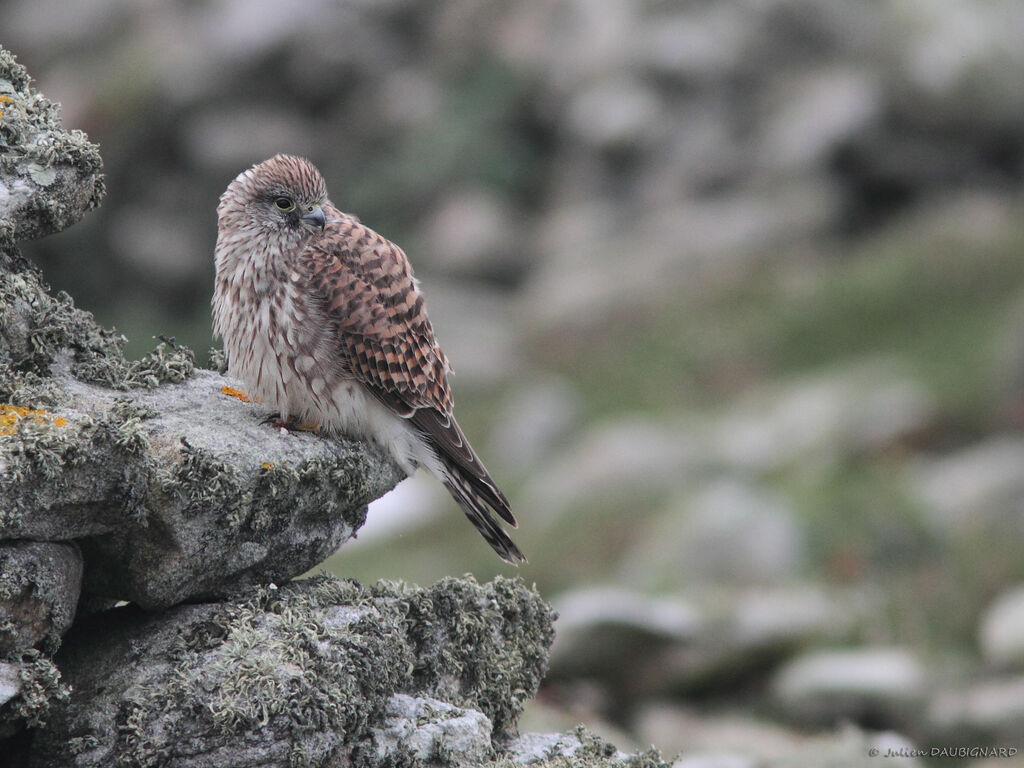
(463, 635)
(293, 676)
(49, 177)
(36, 328)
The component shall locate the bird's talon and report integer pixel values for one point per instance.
(291, 424)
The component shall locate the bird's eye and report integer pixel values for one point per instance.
(284, 204)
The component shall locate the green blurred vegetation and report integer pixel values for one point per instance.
(936, 297)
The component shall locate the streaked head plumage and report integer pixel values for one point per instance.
(276, 194)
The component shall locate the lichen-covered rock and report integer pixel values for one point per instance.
(302, 675)
(49, 177)
(31, 686)
(38, 329)
(181, 491)
(432, 732)
(39, 587)
(581, 749)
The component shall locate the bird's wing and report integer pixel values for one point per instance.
(367, 288)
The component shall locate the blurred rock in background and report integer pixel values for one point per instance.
(733, 292)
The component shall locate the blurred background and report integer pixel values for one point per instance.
(734, 292)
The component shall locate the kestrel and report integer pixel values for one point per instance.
(323, 321)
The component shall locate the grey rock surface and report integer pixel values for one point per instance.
(830, 686)
(181, 491)
(530, 748)
(40, 584)
(49, 177)
(10, 682)
(989, 711)
(729, 531)
(307, 672)
(432, 731)
(1001, 631)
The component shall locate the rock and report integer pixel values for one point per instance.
(472, 233)
(789, 616)
(583, 611)
(712, 640)
(730, 531)
(429, 730)
(706, 240)
(678, 729)
(747, 633)
(713, 760)
(581, 749)
(700, 44)
(620, 457)
(834, 414)
(815, 113)
(531, 748)
(31, 686)
(181, 491)
(39, 587)
(49, 177)
(1001, 634)
(599, 627)
(974, 486)
(708, 740)
(532, 421)
(987, 711)
(10, 681)
(875, 684)
(615, 112)
(171, 491)
(308, 672)
(968, 70)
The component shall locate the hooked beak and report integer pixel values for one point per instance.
(315, 216)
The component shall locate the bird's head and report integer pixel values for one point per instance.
(284, 195)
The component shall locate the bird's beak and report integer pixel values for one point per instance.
(316, 216)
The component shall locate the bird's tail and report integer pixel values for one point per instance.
(480, 514)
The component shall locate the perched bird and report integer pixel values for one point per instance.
(323, 321)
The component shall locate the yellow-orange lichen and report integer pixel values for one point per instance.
(233, 392)
(10, 415)
(266, 464)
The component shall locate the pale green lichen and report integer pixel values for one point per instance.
(218, 360)
(490, 676)
(62, 168)
(320, 486)
(35, 328)
(41, 688)
(201, 480)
